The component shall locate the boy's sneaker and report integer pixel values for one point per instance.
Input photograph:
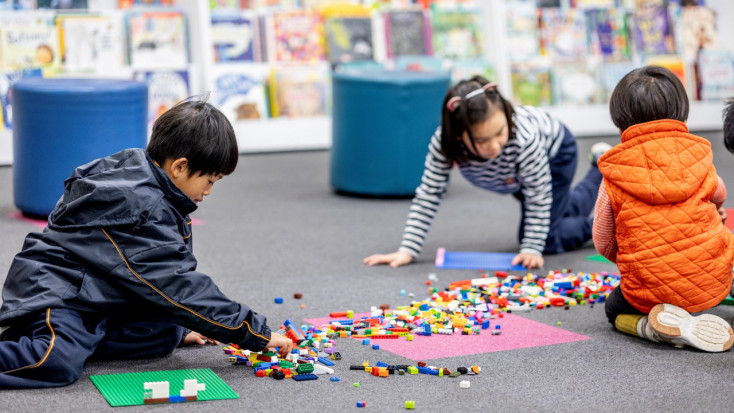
(705, 332)
(597, 150)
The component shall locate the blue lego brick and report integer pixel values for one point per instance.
(325, 361)
(307, 376)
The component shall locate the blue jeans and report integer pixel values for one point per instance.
(49, 348)
(570, 222)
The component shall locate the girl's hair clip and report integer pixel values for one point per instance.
(453, 103)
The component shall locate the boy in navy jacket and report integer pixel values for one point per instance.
(114, 274)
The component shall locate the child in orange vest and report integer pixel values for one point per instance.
(656, 217)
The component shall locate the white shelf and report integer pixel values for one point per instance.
(282, 134)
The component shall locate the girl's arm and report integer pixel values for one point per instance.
(603, 231)
(537, 190)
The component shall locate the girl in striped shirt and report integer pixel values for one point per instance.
(518, 150)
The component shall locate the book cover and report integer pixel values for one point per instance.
(157, 39)
(62, 4)
(678, 66)
(531, 83)
(7, 80)
(608, 34)
(25, 47)
(594, 4)
(91, 43)
(235, 37)
(124, 4)
(165, 89)
(17, 5)
(612, 73)
(349, 39)
(227, 5)
(653, 33)
(522, 33)
(563, 33)
(456, 33)
(577, 83)
(407, 32)
(697, 30)
(716, 75)
(299, 91)
(298, 36)
(239, 91)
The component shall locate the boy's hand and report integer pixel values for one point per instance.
(196, 338)
(395, 259)
(283, 343)
(722, 214)
(528, 261)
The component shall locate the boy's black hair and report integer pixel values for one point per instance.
(729, 125)
(195, 130)
(467, 113)
(646, 94)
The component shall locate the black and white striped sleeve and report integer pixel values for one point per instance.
(432, 188)
(535, 177)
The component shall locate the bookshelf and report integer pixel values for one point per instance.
(286, 134)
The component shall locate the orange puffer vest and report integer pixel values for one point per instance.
(673, 247)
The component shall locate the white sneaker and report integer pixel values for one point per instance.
(705, 332)
(597, 150)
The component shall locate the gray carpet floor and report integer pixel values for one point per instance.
(275, 227)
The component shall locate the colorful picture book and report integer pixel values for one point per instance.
(608, 34)
(157, 39)
(531, 83)
(299, 91)
(577, 83)
(165, 89)
(563, 33)
(235, 37)
(456, 33)
(239, 91)
(407, 32)
(32, 46)
(91, 43)
(715, 75)
(653, 33)
(62, 4)
(522, 34)
(678, 66)
(296, 36)
(7, 80)
(349, 39)
(697, 31)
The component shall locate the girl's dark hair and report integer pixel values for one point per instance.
(469, 112)
(646, 94)
(729, 125)
(195, 130)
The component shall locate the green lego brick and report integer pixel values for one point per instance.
(126, 389)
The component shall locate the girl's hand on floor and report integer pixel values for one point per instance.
(196, 338)
(395, 259)
(528, 261)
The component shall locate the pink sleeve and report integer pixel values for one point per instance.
(720, 195)
(603, 231)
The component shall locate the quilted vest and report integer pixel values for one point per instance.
(673, 247)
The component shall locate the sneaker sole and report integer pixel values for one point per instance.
(705, 332)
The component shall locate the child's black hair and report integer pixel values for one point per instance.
(729, 125)
(646, 94)
(195, 130)
(469, 112)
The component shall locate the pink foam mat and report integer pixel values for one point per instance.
(517, 333)
(40, 223)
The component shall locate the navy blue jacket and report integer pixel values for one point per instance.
(119, 242)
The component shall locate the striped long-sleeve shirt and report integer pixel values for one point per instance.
(522, 165)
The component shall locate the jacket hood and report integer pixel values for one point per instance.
(658, 162)
(120, 189)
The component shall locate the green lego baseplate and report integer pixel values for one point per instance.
(126, 389)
